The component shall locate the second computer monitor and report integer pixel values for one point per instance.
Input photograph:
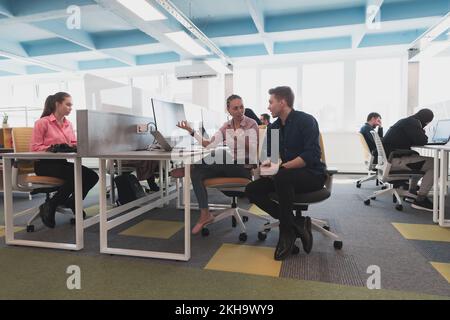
(167, 115)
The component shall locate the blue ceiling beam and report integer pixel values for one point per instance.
(5, 8)
(391, 38)
(6, 74)
(414, 9)
(165, 57)
(310, 20)
(81, 38)
(118, 39)
(51, 47)
(227, 28)
(245, 50)
(100, 64)
(27, 7)
(313, 45)
(38, 70)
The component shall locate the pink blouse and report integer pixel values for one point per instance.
(48, 132)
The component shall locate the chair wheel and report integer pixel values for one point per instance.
(326, 228)
(267, 230)
(373, 198)
(358, 185)
(383, 188)
(399, 207)
(233, 222)
(243, 237)
(337, 245)
(244, 218)
(262, 236)
(367, 202)
(394, 199)
(205, 232)
(30, 228)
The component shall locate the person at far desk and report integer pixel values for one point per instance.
(404, 134)
(301, 171)
(239, 127)
(54, 128)
(373, 123)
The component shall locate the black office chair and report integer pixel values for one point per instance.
(302, 202)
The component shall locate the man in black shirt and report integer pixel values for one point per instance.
(301, 171)
(373, 121)
(403, 135)
(265, 119)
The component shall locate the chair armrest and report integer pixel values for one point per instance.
(402, 153)
(332, 170)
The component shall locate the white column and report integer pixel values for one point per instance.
(413, 87)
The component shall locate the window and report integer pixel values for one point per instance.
(245, 85)
(323, 94)
(271, 78)
(378, 89)
(434, 81)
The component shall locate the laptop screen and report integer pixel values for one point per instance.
(442, 131)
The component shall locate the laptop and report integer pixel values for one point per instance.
(169, 144)
(441, 133)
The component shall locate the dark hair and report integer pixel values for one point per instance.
(283, 93)
(231, 98)
(50, 103)
(425, 116)
(249, 113)
(373, 115)
(266, 117)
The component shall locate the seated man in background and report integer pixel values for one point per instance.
(403, 135)
(145, 170)
(373, 122)
(301, 171)
(265, 119)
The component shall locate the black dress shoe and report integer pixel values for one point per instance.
(285, 244)
(47, 213)
(302, 228)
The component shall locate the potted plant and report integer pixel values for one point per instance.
(5, 120)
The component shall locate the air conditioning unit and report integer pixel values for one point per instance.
(194, 71)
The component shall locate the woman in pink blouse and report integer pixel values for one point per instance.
(54, 128)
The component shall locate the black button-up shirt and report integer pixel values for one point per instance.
(299, 137)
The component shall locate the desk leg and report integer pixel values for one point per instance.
(436, 186)
(102, 204)
(79, 223)
(166, 178)
(187, 211)
(443, 185)
(7, 198)
(161, 180)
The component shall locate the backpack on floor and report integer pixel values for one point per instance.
(128, 188)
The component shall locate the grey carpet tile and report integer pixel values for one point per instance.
(324, 267)
(433, 250)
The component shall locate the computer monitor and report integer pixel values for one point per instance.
(442, 131)
(167, 115)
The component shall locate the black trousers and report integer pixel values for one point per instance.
(65, 170)
(286, 183)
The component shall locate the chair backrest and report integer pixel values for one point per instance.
(21, 139)
(21, 143)
(383, 165)
(369, 158)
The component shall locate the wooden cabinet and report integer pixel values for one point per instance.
(6, 138)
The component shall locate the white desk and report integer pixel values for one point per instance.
(164, 196)
(9, 210)
(440, 183)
